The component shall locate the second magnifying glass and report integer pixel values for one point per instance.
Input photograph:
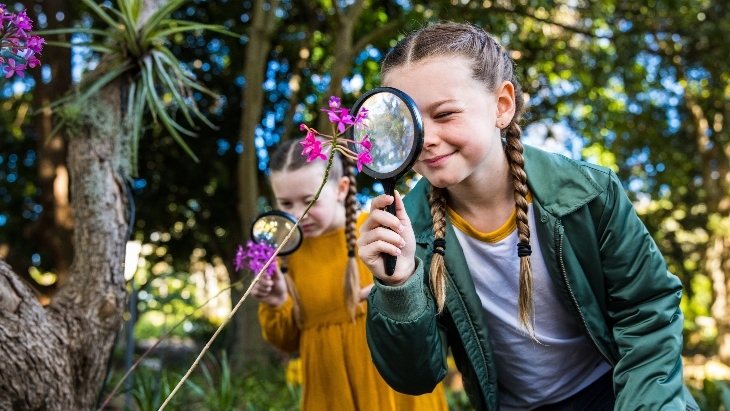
(395, 130)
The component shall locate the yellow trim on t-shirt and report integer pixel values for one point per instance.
(492, 237)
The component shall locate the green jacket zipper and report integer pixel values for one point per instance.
(561, 266)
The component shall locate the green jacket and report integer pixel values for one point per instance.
(604, 264)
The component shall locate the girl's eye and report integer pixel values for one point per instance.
(444, 114)
(285, 204)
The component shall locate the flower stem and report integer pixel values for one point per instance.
(255, 279)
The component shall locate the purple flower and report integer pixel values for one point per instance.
(312, 147)
(35, 44)
(361, 116)
(33, 61)
(23, 22)
(334, 103)
(340, 117)
(254, 257)
(13, 68)
(363, 157)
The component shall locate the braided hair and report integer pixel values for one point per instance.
(491, 65)
(288, 157)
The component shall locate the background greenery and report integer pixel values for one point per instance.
(642, 87)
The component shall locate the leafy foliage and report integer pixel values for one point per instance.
(157, 79)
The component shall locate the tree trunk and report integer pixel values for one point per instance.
(55, 358)
(717, 253)
(245, 334)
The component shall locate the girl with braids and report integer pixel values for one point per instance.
(532, 268)
(316, 309)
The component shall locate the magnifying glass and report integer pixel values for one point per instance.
(272, 227)
(395, 130)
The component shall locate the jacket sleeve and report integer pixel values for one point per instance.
(279, 327)
(643, 304)
(406, 342)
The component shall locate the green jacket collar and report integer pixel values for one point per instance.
(557, 183)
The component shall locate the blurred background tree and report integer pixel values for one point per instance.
(641, 87)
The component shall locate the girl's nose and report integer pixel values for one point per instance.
(430, 138)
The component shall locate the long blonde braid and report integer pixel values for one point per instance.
(437, 202)
(352, 273)
(513, 148)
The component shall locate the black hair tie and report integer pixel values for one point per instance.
(439, 246)
(350, 253)
(523, 249)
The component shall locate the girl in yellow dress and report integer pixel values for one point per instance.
(318, 307)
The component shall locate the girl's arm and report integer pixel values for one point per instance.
(276, 312)
(404, 337)
(643, 302)
(407, 345)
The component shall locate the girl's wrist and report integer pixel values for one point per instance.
(275, 301)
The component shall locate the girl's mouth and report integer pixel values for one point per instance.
(436, 160)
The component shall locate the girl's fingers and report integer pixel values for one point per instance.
(364, 292)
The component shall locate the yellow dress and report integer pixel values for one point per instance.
(337, 373)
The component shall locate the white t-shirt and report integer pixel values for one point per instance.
(530, 374)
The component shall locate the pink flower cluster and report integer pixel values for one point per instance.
(18, 43)
(340, 117)
(254, 256)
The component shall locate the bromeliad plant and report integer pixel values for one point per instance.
(315, 146)
(18, 47)
(138, 49)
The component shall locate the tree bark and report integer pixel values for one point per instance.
(55, 358)
(245, 334)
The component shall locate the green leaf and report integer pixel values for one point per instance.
(130, 27)
(192, 27)
(185, 107)
(103, 81)
(157, 109)
(101, 13)
(172, 86)
(153, 22)
(74, 30)
(101, 48)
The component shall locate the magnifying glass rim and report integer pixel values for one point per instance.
(417, 132)
(287, 216)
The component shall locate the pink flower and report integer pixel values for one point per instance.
(254, 257)
(363, 157)
(312, 147)
(33, 61)
(23, 22)
(334, 103)
(35, 43)
(342, 119)
(13, 68)
(361, 116)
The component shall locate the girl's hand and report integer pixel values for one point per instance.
(364, 292)
(271, 291)
(383, 232)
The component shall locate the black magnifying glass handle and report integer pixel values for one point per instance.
(389, 188)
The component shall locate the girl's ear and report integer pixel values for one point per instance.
(505, 99)
(343, 186)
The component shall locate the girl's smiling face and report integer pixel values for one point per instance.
(461, 119)
(295, 189)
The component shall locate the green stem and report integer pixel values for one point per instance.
(256, 278)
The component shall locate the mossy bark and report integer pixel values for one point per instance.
(54, 358)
